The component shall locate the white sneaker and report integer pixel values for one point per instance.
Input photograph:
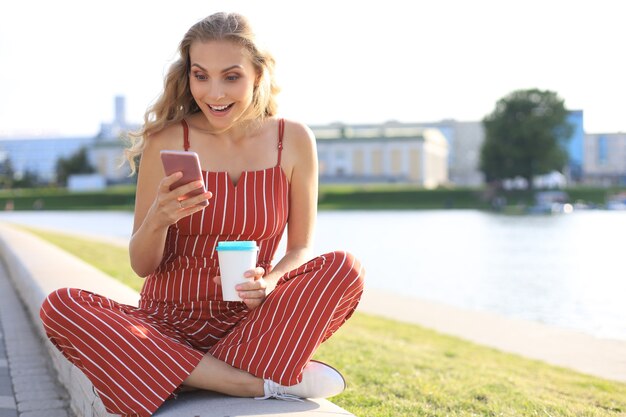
(318, 381)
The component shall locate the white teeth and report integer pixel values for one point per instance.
(218, 108)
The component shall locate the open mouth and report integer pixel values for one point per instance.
(220, 109)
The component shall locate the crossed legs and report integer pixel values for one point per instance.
(214, 375)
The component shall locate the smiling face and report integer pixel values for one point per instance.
(221, 80)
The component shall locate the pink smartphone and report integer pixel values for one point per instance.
(189, 164)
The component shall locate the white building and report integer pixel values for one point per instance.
(464, 140)
(382, 153)
(107, 151)
(465, 156)
(605, 158)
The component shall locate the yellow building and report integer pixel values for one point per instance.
(382, 153)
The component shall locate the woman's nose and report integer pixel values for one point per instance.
(216, 91)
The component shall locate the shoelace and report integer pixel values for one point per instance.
(274, 390)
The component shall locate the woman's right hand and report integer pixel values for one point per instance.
(171, 206)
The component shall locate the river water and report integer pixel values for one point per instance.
(563, 270)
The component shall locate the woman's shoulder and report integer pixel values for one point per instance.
(298, 131)
(170, 137)
(299, 146)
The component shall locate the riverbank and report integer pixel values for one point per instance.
(529, 267)
(563, 347)
(404, 370)
(331, 197)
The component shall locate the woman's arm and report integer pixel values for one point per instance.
(300, 157)
(300, 165)
(156, 207)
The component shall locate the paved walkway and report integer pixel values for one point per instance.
(28, 385)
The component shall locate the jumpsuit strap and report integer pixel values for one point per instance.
(281, 131)
(185, 133)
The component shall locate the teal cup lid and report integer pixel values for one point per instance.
(237, 245)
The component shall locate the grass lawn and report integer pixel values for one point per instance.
(331, 197)
(395, 369)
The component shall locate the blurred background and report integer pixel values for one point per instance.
(397, 94)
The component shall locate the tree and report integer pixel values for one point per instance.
(10, 179)
(27, 179)
(6, 173)
(78, 163)
(525, 136)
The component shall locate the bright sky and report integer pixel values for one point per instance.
(355, 61)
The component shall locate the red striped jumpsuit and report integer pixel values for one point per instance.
(137, 357)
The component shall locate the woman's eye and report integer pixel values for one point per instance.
(233, 77)
(199, 76)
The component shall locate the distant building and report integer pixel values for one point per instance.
(464, 140)
(107, 151)
(86, 182)
(391, 152)
(605, 159)
(40, 155)
(576, 146)
(387, 152)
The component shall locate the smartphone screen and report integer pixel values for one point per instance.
(188, 163)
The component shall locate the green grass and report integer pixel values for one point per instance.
(331, 197)
(395, 369)
(398, 196)
(52, 198)
(112, 260)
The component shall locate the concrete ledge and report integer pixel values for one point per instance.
(38, 268)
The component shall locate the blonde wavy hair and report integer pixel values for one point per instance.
(176, 101)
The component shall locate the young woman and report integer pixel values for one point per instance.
(261, 175)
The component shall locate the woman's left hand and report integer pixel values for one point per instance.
(252, 293)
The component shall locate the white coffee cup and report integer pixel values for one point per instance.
(235, 258)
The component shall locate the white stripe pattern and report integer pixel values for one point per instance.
(137, 356)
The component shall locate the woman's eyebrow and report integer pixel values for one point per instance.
(224, 70)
